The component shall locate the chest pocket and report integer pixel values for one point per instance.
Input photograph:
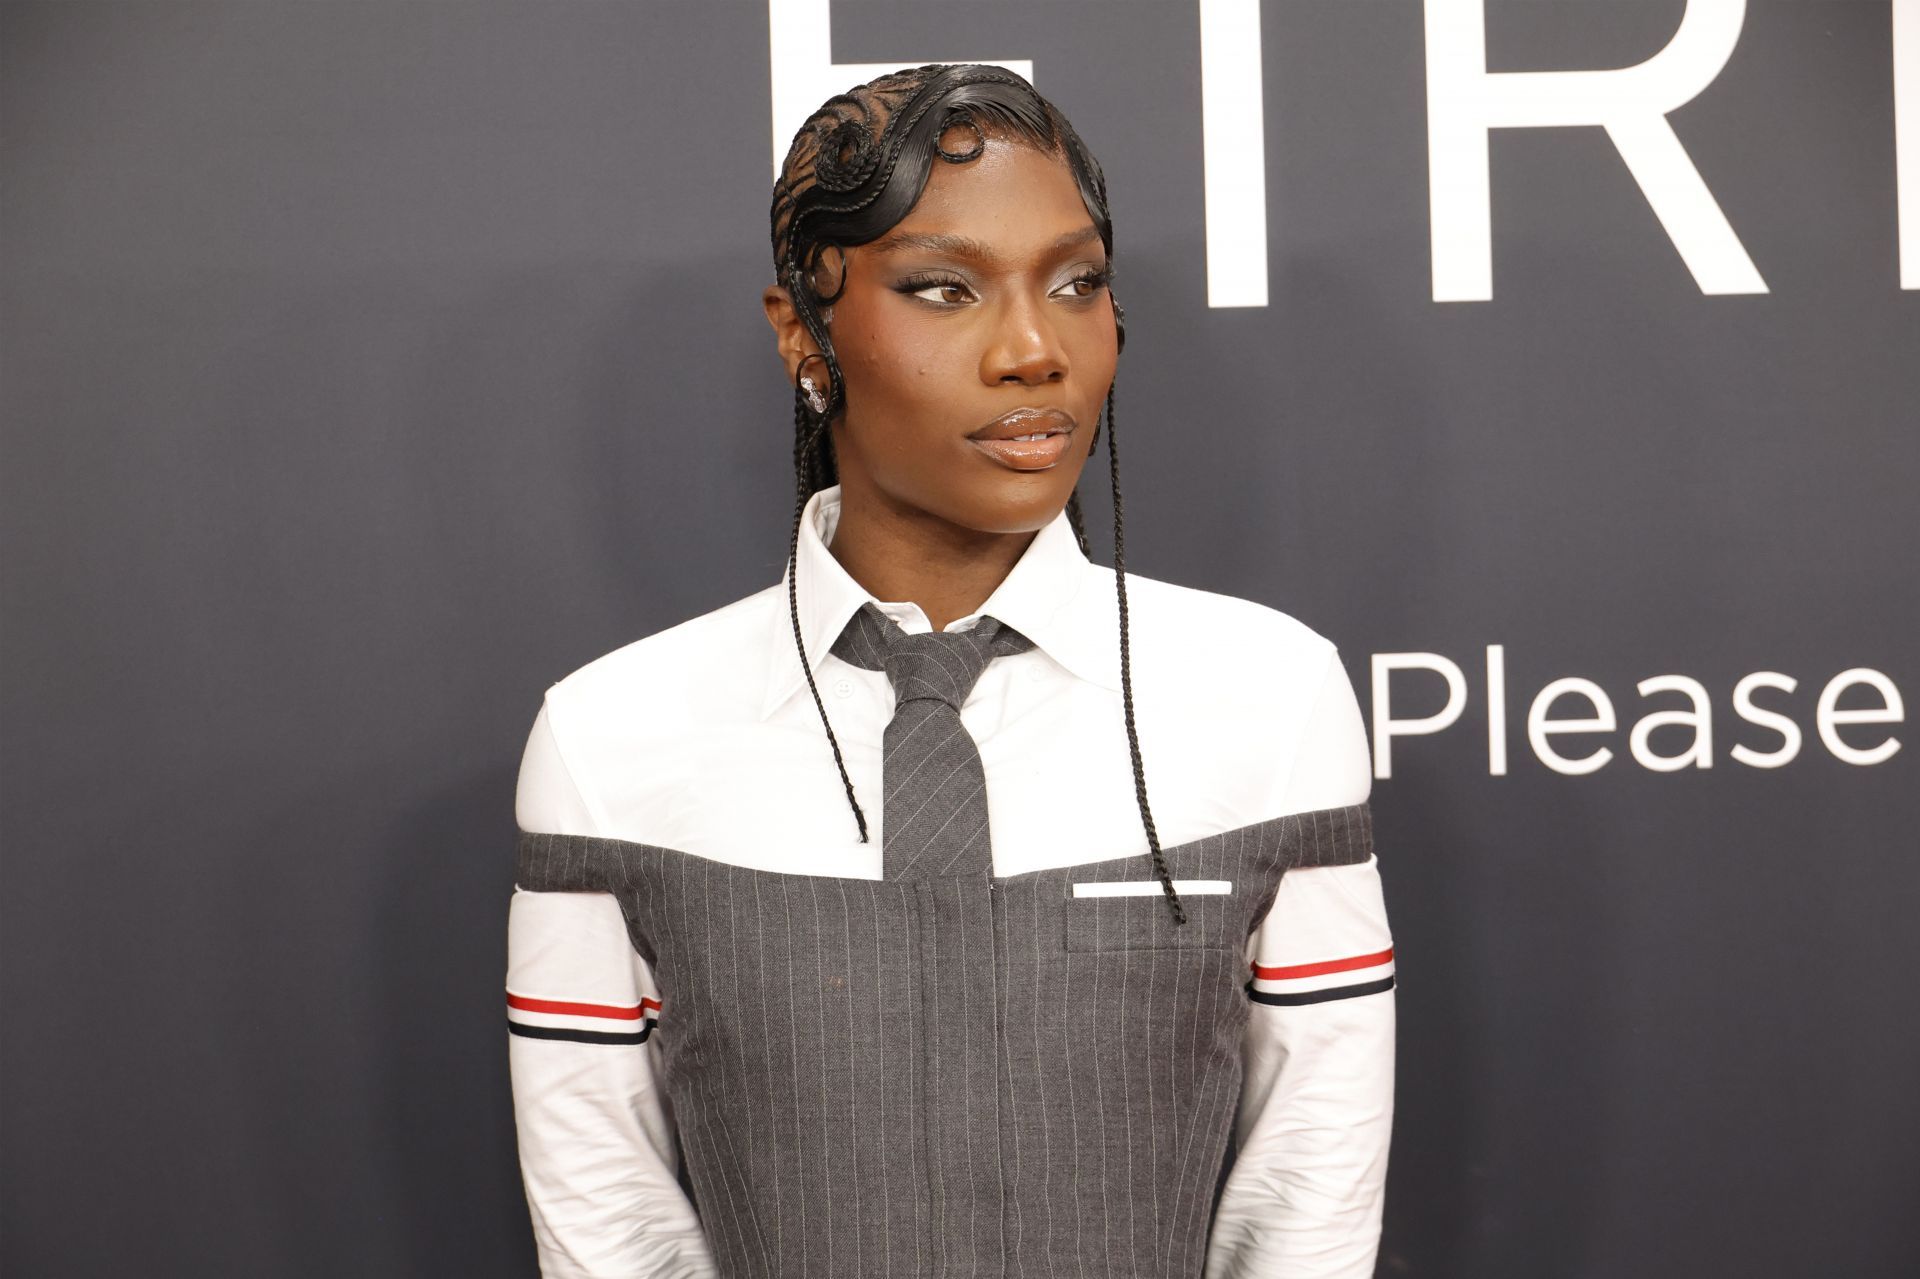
(1134, 915)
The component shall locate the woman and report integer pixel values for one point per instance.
(848, 937)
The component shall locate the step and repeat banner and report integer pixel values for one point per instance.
(370, 366)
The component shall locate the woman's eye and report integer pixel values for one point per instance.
(951, 292)
(1086, 285)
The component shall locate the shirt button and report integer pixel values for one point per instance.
(843, 688)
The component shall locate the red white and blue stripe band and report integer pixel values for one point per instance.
(581, 1023)
(1324, 980)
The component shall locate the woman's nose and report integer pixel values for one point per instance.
(1025, 346)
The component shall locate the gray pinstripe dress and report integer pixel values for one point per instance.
(963, 1075)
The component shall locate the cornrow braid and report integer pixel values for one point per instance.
(1078, 523)
(1126, 669)
(855, 169)
(808, 461)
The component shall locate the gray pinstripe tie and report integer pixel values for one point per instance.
(935, 805)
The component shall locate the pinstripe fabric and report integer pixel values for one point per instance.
(957, 1075)
(935, 814)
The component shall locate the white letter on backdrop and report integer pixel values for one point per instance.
(1890, 711)
(1465, 102)
(1700, 719)
(1386, 727)
(1788, 730)
(1233, 152)
(1906, 136)
(805, 74)
(1539, 727)
(1497, 710)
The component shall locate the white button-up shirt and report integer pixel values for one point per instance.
(703, 738)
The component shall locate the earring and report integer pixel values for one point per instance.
(811, 390)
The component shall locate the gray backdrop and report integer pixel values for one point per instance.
(368, 366)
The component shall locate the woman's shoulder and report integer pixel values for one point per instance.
(1233, 631)
(691, 668)
(1240, 693)
(1224, 658)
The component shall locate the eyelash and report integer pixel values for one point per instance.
(1098, 277)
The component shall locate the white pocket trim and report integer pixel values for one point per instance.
(1150, 887)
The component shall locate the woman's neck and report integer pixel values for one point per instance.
(949, 571)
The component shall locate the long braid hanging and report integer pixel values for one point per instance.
(1126, 670)
(808, 468)
(1120, 566)
(1078, 522)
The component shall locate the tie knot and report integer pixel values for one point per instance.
(939, 665)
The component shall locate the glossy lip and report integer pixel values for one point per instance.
(995, 439)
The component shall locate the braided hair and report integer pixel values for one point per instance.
(855, 170)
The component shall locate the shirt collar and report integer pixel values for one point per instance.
(1047, 596)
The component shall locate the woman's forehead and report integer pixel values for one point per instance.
(954, 245)
(1013, 202)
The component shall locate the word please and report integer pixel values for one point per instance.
(1545, 730)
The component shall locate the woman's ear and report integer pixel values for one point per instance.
(791, 341)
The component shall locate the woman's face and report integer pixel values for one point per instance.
(989, 297)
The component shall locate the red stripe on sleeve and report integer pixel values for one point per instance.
(1324, 966)
(615, 1012)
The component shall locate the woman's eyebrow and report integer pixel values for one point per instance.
(961, 246)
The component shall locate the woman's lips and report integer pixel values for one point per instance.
(1049, 429)
(1026, 455)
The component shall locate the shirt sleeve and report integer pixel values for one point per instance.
(597, 1153)
(1306, 1192)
